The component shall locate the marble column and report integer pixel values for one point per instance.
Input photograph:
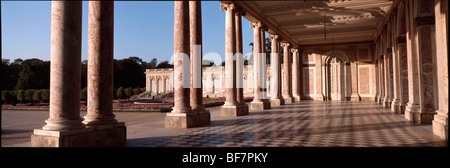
(295, 75)
(65, 67)
(263, 59)
(396, 103)
(387, 55)
(258, 103)
(64, 127)
(182, 115)
(100, 64)
(382, 79)
(412, 106)
(353, 52)
(196, 87)
(287, 92)
(440, 121)
(377, 74)
(240, 61)
(231, 106)
(275, 71)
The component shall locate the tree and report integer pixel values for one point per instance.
(45, 95)
(6, 96)
(128, 73)
(164, 64)
(29, 95)
(83, 94)
(20, 95)
(121, 93)
(37, 96)
(9, 73)
(84, 73)
(268, 50)
(129, 92)
(136, 91)
(153, 63)
(34, 74)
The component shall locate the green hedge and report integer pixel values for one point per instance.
(25, 96)
(43, 95)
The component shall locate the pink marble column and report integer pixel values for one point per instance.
(287, 92)
(386, 57)
(396, 103)
(295, 75)
(230, 48)
(263, 84)
(275, 71)
(353, 52)
(240, 61)
(65, 67)
(412, 107)
(256, 53)
(182, 112)
(440, 121)
(231, 106)
(100, 63)
(196, 88)
(259, 102)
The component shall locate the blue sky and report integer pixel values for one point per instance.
(141, 28)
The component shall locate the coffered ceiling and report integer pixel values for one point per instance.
(303, 21)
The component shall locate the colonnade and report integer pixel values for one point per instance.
(411, 53)
(410, 62)
(65, 127)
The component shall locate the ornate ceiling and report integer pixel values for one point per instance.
(302, 22)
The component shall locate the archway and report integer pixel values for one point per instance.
(337, 76)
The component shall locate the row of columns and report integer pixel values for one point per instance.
(65, 127)
(412, 63)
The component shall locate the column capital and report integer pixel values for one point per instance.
(285, 44)
(255, 24)
(226, 6)
(273, 36)
(294, 50)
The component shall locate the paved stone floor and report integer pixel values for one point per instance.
(306, 124)
(302, 124)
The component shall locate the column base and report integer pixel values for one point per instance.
(288, 100)
(387, 103)
(296, 99)
(415, 115)
(380, 100)
(403, 108)
(396, 106)
(440, 126)
(237, 110)
(260, 105)
(187, 120)
(276, 102)
(355, 97)
(92, 136)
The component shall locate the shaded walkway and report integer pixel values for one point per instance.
(305, 123)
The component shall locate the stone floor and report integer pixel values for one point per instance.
(305, 124)
(302, 124)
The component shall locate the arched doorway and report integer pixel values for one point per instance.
(337, 76)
